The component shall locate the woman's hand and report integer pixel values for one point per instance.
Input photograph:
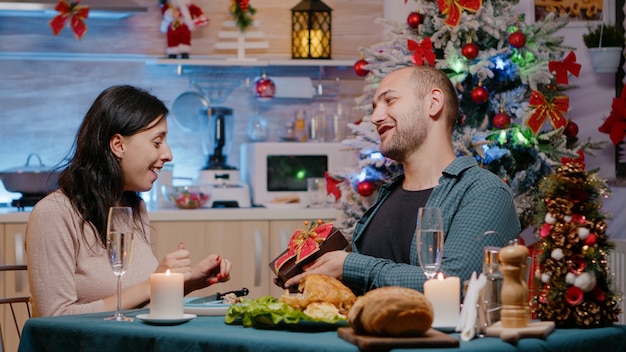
(177, 261)
(210, 270)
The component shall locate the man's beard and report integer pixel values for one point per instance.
(407, 140)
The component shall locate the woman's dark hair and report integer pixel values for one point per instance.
(93, 179)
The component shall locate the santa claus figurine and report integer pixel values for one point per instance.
(180, 17)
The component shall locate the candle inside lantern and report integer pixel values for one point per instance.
(166, 295)
(445, 296)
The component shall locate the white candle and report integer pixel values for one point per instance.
(166, 295)
(445, 296)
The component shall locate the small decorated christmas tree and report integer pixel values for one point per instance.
(573, 277)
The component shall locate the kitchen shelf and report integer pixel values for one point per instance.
(209, 61)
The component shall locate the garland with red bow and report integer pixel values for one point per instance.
(561, 68)
(304, 243)
(454, 8)
(75, 13)
(421, 51)
(615, 124)
(544, 109)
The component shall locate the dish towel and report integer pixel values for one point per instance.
(469, 313)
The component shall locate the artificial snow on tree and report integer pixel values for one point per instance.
(500, 66)
(573, 276)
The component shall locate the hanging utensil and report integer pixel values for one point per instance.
(188, 109)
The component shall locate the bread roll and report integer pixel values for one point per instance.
(391, 311)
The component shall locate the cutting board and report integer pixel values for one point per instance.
(432, 339)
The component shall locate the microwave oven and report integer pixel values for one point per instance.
(280, 169)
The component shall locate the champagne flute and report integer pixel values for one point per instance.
(119, 249)
(429, 235)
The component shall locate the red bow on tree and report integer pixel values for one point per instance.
(553, 109)
(615, 124)
(421, 51)
(304, 243)
(565, 66)
(332, 186)
(75, 13)
(454, 9)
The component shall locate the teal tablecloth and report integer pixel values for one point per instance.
(89, 332)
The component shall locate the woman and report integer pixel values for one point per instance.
(119, 150)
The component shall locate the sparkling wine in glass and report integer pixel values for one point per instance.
(119, 247)
(429, 235)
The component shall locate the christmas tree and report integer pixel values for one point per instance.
(510, 77)
(573, 278)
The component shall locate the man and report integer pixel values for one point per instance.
(415, 110)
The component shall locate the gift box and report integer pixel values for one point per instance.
(305, 246)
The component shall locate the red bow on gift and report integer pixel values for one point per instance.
(75, 13)
(421, 51)
(304, 243)
(454, 8)
(553, 109)
(615, 124)
(565, 66)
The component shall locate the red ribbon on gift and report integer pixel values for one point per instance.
(615, 124)
(75, 13)
(304, 243)
(562, 68)
(454, 8)
(544, 109)
(421, 51)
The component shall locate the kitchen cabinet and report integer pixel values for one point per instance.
(244, 243)
(249, 244)
(12, 284)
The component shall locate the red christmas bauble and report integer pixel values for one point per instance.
(517, 39)
(501, 120)
(414, 19)
(264, 88)
(365, 188)
(479, 95)
(571, 129)
(470, 51)
(359, 68)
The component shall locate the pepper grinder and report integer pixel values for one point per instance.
(515, 311)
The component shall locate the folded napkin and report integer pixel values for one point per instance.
(469, 313)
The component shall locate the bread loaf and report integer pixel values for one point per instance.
(391, 311)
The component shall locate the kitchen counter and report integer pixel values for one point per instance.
(12, 215)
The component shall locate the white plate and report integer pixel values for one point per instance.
(165, 321)
(209, 308)
(285, 205)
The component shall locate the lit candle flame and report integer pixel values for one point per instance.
(167, 272)
(440, 276)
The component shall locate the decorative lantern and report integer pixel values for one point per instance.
(310, 30)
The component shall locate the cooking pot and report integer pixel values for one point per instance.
(30, 179)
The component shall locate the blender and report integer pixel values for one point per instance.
(227, 189)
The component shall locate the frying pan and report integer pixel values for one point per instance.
(189, 108)
(30, 179)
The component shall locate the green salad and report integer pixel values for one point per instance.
(268, 311)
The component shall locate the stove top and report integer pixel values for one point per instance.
(27, 200)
